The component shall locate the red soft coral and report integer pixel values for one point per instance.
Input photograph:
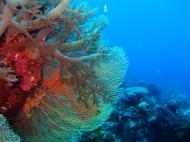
(28, 69)
(17, 55)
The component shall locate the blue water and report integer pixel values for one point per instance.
(156, 36)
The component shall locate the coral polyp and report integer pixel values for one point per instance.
(58, 78)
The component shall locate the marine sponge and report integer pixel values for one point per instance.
(79, 77)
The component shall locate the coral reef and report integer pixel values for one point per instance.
(140, 117)
(58, 76)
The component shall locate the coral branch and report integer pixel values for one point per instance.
(15, 3)
(6, 20)
(59, 9)
(75, 44)
(63, 58)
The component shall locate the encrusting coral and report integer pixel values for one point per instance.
(66, 78)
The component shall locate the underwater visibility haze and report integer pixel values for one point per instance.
(94, 71)
(155, 34)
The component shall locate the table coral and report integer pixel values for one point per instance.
(67, 77)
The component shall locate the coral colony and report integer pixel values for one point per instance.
(58, 78)
(139, 116)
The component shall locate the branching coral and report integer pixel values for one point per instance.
(73, 78)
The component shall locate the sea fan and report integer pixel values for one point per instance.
(72, 79)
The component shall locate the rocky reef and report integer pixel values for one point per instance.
(140, 116)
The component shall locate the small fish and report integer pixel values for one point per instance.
(105, 8)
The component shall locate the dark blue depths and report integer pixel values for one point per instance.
(142, 116)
